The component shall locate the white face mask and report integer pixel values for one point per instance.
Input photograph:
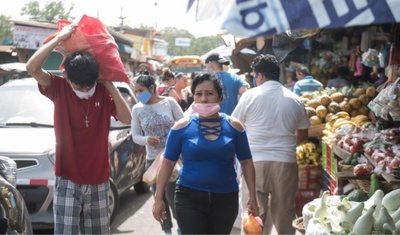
(85, 95)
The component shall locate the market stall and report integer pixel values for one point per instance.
(359, 133)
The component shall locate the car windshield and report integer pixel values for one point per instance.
(24, 105)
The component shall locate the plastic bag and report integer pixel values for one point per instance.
(251, 224)
(150, 175)
(91, 35)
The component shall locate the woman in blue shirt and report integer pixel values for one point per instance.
(206, 194)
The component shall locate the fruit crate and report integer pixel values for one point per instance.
(309, 177)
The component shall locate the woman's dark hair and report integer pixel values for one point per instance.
(81, 68)
(200, 78)
(166, 74)
(267, 65)
(146, 81)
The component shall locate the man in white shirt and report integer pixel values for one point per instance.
(276, 122)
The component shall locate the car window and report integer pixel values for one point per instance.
(24, 104)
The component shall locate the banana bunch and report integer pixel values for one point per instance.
(338, 120)
(335, 122)
(308, 153)
(361, 120)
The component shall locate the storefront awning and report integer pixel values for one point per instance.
(123, 48)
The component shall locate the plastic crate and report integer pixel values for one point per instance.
(323, 156)
(309, 177)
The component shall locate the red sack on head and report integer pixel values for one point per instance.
(92, 36)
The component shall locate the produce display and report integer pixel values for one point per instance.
(308, 153)
(322, 105)
(378, 213)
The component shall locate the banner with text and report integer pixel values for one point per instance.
(252, 18)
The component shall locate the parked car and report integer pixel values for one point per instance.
(27, 136)
(14, 216)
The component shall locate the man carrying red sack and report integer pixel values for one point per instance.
(82, 111)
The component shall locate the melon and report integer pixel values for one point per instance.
(345, 106)
(313, 103)
(364, 99)
(310, 111)
(334, 107)
(315, 120)
(371, 92)
(359, 91)
(325, 100)
(321, 111)
(337, 97)
(355, 103)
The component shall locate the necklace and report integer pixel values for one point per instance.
(86, 114)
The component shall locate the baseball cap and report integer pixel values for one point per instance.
(217, 58)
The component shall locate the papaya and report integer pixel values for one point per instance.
(375, 184)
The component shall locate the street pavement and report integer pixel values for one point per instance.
(135, 217)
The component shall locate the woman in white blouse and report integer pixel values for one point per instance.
(152, 119)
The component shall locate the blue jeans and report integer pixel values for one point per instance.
(200, 212)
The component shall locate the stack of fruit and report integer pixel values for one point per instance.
(322, 105)
(308, 153)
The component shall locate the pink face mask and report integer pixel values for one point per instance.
(205, 109)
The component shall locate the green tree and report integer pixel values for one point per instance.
(6, 29)
(198, 46)
(51, 11)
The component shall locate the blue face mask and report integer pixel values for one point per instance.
(144, 97)
(254, 81)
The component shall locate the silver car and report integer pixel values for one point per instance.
(27, 136)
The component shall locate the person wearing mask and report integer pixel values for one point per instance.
(276, 122)
(83, 106)
(233, 85)
(306, 82)
(209, 142)
(152, 119)
(341, 79)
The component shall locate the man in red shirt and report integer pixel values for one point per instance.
(82, 111)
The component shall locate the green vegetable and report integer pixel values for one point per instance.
(383, 218)
(354, 162)
(396, 215)
(358, 195)
(365, 223)
(375, 199)
(321, 210)
(352, 215)
(375, 184)
(391, 200)
(348, 161)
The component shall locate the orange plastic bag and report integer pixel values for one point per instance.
(91, 35)
(252, 225)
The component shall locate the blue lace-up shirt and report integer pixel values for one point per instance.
(208, 165)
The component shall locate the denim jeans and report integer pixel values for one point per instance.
(200, 212)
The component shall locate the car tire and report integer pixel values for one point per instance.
(114, 201)
(141, 187)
